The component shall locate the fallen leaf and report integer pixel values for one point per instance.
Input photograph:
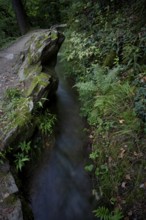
(123, 185)
(141, 186)
(91, 136)
(110, 159)
(137, 154)
(130, 213)
(121, 155)
(121, 121)
(143, 79)
(127, 177)
(94, 192)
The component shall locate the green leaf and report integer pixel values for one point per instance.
(89, 168)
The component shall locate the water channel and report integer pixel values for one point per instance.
(60, 189)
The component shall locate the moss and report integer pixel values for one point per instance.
(2, 175)
(110, 58)
(29, 58)
(39, 81)
(54, 35)
(10, 200)
(38, 44)
(32, 70)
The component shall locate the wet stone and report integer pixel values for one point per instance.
(10, 205)
(10, 209)
(7, 185)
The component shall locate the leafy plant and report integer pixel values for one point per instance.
(107, 96)
(12, 93)
(46, 123)
(104, 214)
(23, 155)
(20, 160)
(8, 25)
(25, 147)
(89, 168)
(140, 103)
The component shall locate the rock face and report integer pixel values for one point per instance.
(36, 77)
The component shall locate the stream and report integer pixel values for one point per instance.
(60, 189)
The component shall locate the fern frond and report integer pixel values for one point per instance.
(103, 213)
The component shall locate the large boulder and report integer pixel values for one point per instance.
(35, 69)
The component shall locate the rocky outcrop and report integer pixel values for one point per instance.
(36, 81)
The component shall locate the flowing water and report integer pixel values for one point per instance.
(60, 188)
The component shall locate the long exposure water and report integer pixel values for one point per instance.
(60, 188)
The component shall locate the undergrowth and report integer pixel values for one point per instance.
(106, 54)
(18, 113)
(16, 110)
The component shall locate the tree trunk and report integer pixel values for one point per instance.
(21, 16)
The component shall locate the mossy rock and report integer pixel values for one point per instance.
(10, 209)
(38, 83)
(37, 74)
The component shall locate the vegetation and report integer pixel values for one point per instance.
(18, 114)
(105, 52)
(16, 110)
(23, 155)
(8, 24)
(104, 214)
(28, 14)
(46, 123)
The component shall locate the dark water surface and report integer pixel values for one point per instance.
(60, 188)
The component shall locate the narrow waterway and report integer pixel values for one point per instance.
(60, 188)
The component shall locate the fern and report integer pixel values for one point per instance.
(86, 87)
(104, 80)
(117, 215)
(46, 123)
(104, 214)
